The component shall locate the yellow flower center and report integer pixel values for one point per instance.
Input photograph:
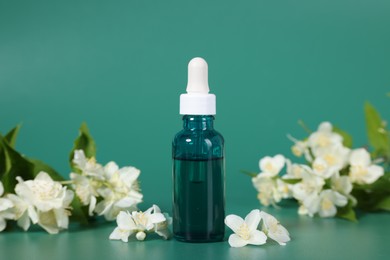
(285, 189)
(326, 204)
(330, 159)
(92, 161)
(142, 219)
(19, 211)
(269, 167)
(243, 231)
(319, 167)
(45, 190)
(323, 140)
(359, 171)
(273, 226)
(296, 151)
(297, 171)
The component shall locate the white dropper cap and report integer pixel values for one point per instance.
(197, 101)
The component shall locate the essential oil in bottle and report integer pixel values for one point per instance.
(198, 164)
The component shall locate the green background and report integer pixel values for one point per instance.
(121, 66)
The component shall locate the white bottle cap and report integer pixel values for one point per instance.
(197, 101)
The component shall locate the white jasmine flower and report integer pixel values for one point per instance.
(300, 148)
(5, 214)
(284, 189)
(245, 231)
(310, 184)
(126, 227)
(86, 190)
(273, 229)
(335, 157)
(268, 189)
(302, 210)
(121, 191)
(307, 191)
(88, 180)
(324, 204)
(48, 202)
(161, 228)
(55, 220)
(341, 184)
(324, 137)
(271, 166)
(323, 169)
(42, 192)
(110, 169)
(88, 166)
(5, 206)
(146, 220)
(294, 171)
(328, 200)
(362, 171)
(139, 223)
(310, 205)
(21, 211)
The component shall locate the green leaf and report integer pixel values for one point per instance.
(14, 165)
(380, 185)
(377, 134)
(347, 212)
(372, 197)
(291, 181)
(83, 142)
(10, 137)
(250, 174)
(79, 212)
(347, 138)
(4, 165)
(384, 204)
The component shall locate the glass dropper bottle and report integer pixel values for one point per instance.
(198, 164)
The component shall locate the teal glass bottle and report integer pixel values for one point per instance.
(199, 181)
(198, 164)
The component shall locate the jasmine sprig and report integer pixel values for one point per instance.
(105, 190)
(31, 192)
(336, 178)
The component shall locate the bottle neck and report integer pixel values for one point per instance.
(196, 122)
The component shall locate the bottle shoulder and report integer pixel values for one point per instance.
(204, 144)
(186, 135)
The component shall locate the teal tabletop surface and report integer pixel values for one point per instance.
(121, 65)
(311, 239)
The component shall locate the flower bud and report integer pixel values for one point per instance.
(140, 235)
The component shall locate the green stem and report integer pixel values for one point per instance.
(67, 182)
(250, 174)
(304, 126)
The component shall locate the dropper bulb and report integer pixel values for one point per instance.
(198, 76)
